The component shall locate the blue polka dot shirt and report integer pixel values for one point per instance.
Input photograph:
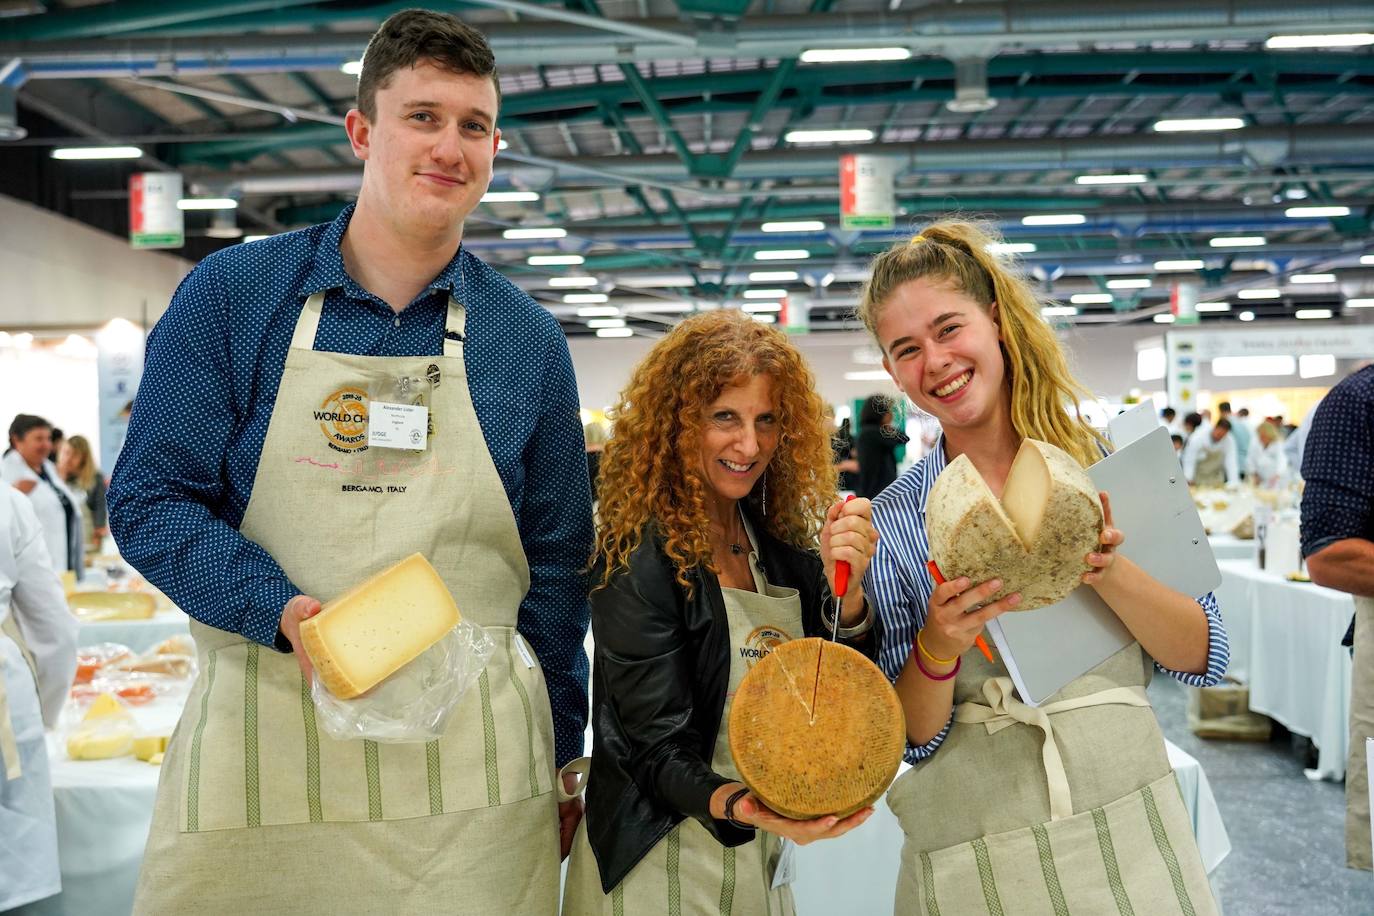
(214, 362)
(899, 585)
(1338, 465)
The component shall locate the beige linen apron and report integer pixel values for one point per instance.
(1069, 808)
(688, 872)
(1210, 470)
(260, 811)
(1357, 839)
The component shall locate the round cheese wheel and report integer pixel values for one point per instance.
(834, 758)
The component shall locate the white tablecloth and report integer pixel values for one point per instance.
(1230, 547)
(1285, 644)
(857, 873)
(139, 635)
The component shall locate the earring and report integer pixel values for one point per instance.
(765, 493)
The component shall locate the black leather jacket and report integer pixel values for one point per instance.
(661, 670)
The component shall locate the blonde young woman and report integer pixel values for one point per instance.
(717, 539)
(995, 821)
(76, 465)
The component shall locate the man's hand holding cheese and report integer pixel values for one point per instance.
(378, 392)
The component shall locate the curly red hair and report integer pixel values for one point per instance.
(650, 470)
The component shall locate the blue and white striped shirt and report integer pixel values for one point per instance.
(899, 585)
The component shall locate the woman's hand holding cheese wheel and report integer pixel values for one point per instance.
(1111, 538)
(952, 623)
(750, 810)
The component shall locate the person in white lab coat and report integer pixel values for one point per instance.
(27, 467)
(1266, 462)
(33, 616)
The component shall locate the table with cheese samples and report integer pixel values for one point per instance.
(1285, 646)
(857, 873)
(138, 635)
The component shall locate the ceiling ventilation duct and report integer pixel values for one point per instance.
(971, 86)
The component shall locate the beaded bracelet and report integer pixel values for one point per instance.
(958, 663)
(921, 648)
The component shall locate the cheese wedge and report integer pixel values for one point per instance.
(107, 730)
(148, 746)
(833, 757)
(1035, 539)
(371, 631)
(93, 606)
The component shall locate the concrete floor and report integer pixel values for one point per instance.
(1287, 843)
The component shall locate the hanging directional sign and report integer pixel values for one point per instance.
(868, 198)
(154, 220)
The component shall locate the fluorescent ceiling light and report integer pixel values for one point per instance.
(844, 135)
(255, 238)
(1164, 318)
(614, 332)
(1011, 247)
(554, 260)
(867, 375)
(1346, 40)
(1307, 314)
(1236, 241)
(572, 282)
(765, 294)
(1130, 178)
(598, 311)
(207, 203)
(1058, 311)
(1175, 125)
(535, 232)
(1247, 316)
(773, 276)
(588, 299)
(1267, 293)
(756, 307)
(96, 152)
(1254, 365)
(224, 232)
(1129, 283)
(1183, 264)
(783, 254)
(1312, 278)
(796, 225)
(1367, 260)
(1091, 298)
(1054, 219)
(606, 322)
(1311, 212)
(657, 307)
(497, 197)
(852, 55)
(351, 67)
(1213, 306)
(764, 318)
(1359, 303)
(1316, 365)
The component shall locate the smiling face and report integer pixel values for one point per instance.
(943, 350)
(740, 433)
(430, 148)
(34, 446)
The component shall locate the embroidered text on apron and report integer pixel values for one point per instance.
(688, 871)
(1103, 831)
(1357, 832)
(258, 810)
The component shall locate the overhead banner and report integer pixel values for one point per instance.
(154, 220)
(119, 366)
(1181, 371)
(868, 198)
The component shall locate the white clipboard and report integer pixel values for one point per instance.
(1048, 647)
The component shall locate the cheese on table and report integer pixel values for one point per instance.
(1035, 539)
(371, 631)
(94, 606)
(148, 746)
(107, 730)
(806, 760)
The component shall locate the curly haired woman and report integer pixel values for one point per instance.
(715, 488)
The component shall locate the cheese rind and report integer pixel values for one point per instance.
(371, 631)
(834, 760)
(1035, 539)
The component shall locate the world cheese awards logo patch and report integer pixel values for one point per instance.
(762, 641)
(343, 420)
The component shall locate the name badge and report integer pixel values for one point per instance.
(397, 426)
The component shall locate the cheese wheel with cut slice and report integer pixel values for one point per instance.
(1035, 539)
(374, 629)
(833, 757)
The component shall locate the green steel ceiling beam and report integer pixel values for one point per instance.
(307, 17)
(731, 9)
(651, 105)
(131, 16)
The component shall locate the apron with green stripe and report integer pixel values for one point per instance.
(1068, 808)
(251, 779)
(688, 873)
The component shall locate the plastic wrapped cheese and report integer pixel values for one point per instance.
(107, 730)
(808, 758)
(371, 631)
(1035, 539)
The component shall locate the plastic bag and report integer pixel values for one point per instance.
(414, 704)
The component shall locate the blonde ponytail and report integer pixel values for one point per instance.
(960, 253)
